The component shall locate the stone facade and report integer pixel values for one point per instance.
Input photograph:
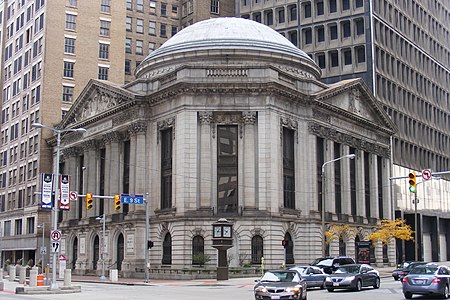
(196, 99)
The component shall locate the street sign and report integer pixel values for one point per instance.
(55, 235)
(64, 191)
(73, 196)
(55, 247)
(426, 174)
(62, 257)
(131, 199)
(43, 250)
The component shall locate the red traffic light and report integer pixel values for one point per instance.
(284, 243)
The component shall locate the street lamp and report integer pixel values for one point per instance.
(58, 132)
(43, 249)
(103, 218)
(349, 156)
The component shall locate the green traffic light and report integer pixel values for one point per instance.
(412, 189)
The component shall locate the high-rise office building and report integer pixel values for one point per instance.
(401, 49)
(49, 51)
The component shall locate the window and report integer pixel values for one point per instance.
(129, 27)
(69, 45)
(67, 93)
(268, 18)
(174, 31)
(7, 230)
(152, 28)
(167, 250)
(346, 29)
(140, 26)
(163, 9)
(198, 250)
(359, 3)
(68, 69)
(345, 4)
(281, 18)
(103, 51)
(307, 10)
(18, 227)
(103, 73)
(333, 6)
(127, 66)
(292, 13)
(359, 24)
(307, 35)
(152, 7)
(320, 34)
(104, 27)
(215, 6)
(166, 168)
(105, 6)
(360, 54)
(257, 249)
(321, 60)
(333, 32)
(73, 3)
(162, 31)
(347, 54)
(227, 168)
(288, 168)
(127, 45)
(129, 5)
(320, 9)
(71, 22)
(139, 47)
(334, 61)
(140, 5)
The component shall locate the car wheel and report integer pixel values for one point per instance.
(445, 293)
(330, 290)
(377, 283)
(358, 285)
(407, 295)
(396, 278)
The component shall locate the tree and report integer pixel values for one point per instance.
(336, 232)
(388, 230)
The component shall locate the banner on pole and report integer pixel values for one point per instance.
(46, 191)
(64, 192)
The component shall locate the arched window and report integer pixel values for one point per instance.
(289, 249)
(198, 250)
(257, 249)
(74, 252)
(167, 250)
(120, 251)
(96, 253)
(385, 254)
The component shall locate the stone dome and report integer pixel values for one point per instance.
(228, 34)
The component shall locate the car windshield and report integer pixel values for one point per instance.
(281, 276)
(348, 269)
(299, 269)
(316, 261)
(413, 265)
(422, 270)
(325, 262)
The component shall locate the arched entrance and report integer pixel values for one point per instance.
(167, 250)
(288, 250)
(95, 256)
(120, 251)
(74, 252)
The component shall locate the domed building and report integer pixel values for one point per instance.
(227, 119)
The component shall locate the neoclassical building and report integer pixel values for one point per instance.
(227, 119)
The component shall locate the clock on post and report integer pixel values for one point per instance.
(222, 240)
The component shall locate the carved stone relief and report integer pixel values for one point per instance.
(291, 124)
(98, 103)
(137, 127)
(111, 137)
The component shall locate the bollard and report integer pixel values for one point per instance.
(22, 274)
(12, 273)
(67, 277)
(33, 277)
(1, 275)
(114, 275)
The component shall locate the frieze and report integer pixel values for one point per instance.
(98, 103)
(249, 117)
(297, 72)
(111, 137)
(167, 123)
(90, 145)
(72, 151)
(351, 141)
(321, 116)
(160, 71)
(137, 127)
(205, 117)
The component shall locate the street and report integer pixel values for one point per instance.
(236, 290)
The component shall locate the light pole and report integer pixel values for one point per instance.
(103, 218)
(349, 156)
(58, 132)
(147, 238)
(43, 250)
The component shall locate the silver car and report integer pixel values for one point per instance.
(314, 276)
(280, 285)
(427, 279)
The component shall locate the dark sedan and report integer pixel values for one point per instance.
(314, 276)
(278, 285)
(427, 279)
(400, 273)
(354, 277)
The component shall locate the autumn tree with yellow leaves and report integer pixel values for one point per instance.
(336, 232)
(391, 229)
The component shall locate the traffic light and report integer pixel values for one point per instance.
(116, 202)
(89, 203)
(412, 182)
(284, 243)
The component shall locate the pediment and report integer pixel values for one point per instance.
(96, 99)
(352, 98)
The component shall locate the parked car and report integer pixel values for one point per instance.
(429, 279)
(405, 271)
(354, 277)
(314, 276)
(400, 267)
(330, 264)
(283, 284)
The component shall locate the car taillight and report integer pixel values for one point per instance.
(435, 280)
(405, 279)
